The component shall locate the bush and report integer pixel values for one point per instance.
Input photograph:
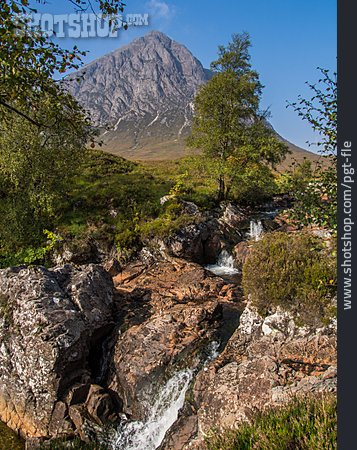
(305, 424)
(294, 271)
(171, 220)
(31, 254)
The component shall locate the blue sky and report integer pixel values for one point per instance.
(290, 38)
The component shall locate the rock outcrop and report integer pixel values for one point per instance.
(266, 363)
(75, 353)
(182, 306)
(52, 324)
(203, 240)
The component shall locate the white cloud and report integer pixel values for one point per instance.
(160, 9)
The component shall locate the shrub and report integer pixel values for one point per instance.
(295, 271)
(30, 255)
(304, 424)
(171, 220)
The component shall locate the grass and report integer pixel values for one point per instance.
(118, 202)
(9, 440)
(305, 424)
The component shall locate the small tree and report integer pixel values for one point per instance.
(228, 124)
(316, 193)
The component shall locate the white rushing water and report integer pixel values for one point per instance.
(162, 414)
(225, 265)
(256, 230)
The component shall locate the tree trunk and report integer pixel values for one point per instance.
(222, 188)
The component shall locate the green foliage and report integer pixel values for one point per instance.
(167, 223)
(320, 111)
(29, 59)
(316, 192)
(9, 440)
(315, 195)
(228, 125)
(180, 187)
(30, 255)
(37, 168)
(304, 424)
(294, 271)
(44, 131)
(255, 185)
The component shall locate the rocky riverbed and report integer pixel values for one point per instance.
(119, 354)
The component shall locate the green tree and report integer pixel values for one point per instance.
(315, 191)
(37, 166)
(228, 125)
(31, 59)
(44, 131)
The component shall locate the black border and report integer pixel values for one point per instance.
(347, 133)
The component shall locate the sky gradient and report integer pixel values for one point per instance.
(290, 40)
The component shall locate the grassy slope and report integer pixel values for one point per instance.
(305, 424)
(172, 150)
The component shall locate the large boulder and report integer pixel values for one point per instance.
(208, 234)
(52, 324)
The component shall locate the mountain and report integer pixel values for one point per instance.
(141, 97)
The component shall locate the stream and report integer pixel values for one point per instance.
(163, 410)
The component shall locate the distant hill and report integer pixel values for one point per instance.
(141, 97)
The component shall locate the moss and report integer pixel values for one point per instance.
(294, 271)
(305, 424)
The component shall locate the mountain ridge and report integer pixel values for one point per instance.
(141, 98)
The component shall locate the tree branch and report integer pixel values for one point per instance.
(20, 113)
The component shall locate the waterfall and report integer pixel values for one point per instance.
(225, 265)
(162, 414)
(225, 260)
(256, 230)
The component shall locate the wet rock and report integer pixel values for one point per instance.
(240, 252)
(51, 326)
(145, 354)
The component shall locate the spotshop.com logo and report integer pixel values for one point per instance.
(80, 25)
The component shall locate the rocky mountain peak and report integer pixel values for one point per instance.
(142, 93)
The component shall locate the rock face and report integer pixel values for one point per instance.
(143, 91)
(75, 353)
(265, 363)
(52, 323)
(203, 241)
